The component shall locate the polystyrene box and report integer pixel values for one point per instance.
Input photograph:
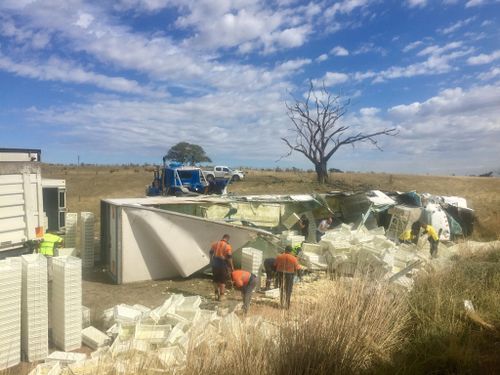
(94, 338)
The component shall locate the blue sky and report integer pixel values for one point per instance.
(122, 81)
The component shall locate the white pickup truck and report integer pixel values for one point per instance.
(221, 171)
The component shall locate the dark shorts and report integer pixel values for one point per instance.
(219, 274)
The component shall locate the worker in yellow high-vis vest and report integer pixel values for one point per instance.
(49, 243)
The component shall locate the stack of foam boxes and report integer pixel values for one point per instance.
(67, 302)
(251, 261)
(10, 312)
(87, 220)
(34, 308)
(71, 230)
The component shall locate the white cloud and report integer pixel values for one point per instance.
(58, 70)
(474, 3)
(322, 57)
(212, 120)
(292, 65)
(339, 51)
(289, 38)
(454, 102)
(416, 3)
(345, 7)
(438, 61)
(369, 111)
(84, 20)
(484, 58)
(437, 50)
(412, 45)
(370, 48)
(458, 129)
(457, 25)
(146, 5)
(246, 25)
(333, 78)
(492, 73)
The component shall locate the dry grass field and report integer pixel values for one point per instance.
(86, 186)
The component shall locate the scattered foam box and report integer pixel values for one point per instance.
(272, 293)
(312, 248)
(94, 338)
(291, 220)
(251, 260)
(52, 368)
(65, 358)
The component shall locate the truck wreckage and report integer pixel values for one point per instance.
(169, 237)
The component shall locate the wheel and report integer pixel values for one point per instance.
(235, 178)
(210, 177)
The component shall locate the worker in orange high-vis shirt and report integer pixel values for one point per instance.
(221, 258)
(246, 282)
(286, 267)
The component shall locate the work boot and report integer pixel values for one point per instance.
(217, 295)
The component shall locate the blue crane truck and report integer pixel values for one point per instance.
(177, 179)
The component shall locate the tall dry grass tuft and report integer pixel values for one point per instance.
(353, 325)
(442, 337)
(356, 324)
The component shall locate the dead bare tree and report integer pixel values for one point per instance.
(317, 133)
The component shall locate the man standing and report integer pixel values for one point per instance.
(286, 266)
(270, 268)
(49, 243)
(323, 226)
(304, 226)
(246, 282)
(221, 258)
(47, 247)
(433, 238)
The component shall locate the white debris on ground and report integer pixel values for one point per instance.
(344, 251)
(142, 339)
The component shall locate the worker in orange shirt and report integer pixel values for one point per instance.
(221, 258)
(246, 282)
(286, 267)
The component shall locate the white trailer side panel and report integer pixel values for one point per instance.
(21, 206)
(147, 243)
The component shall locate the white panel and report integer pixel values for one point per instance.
(160, 244)
(11, 179)
(13, 237)
(11, 200)
(8, 189)
(11, 211)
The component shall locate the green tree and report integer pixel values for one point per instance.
(187, 153)
(316, 131)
